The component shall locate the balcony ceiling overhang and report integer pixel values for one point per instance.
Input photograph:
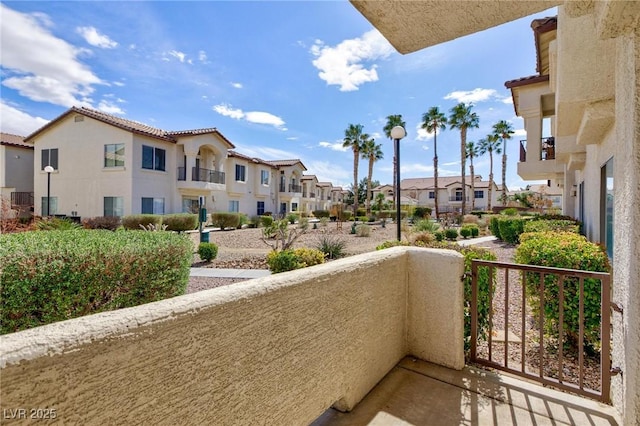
(413, 25)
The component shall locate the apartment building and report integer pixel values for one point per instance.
(110, 166)
(587, 87)
(16, 176)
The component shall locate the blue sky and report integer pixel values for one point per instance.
(280, 79)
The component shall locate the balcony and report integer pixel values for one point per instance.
(457, 199)
(539, 165)
(201, 179)
(291, 188)
(548, 151)
(283, 349)
(21, 200)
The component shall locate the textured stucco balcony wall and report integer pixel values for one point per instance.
(276, 350)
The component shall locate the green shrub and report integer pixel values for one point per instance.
(392, 243)
(510, 229)
(254, 221)
(110, 223)
(58, 275)
(292, 218)
(494, 227)
(422, 213)
(361, 212)
(138, 221)
(475, 231)
(288, 260)
(362, 219)
(225, 220)
(321, 213)
(426, 225)
(266, 220)
(345, 215)
(572, 251)
(439, 235)
(552, 225)
(363, 230)
(207, 251)
(451, 233)
(55, 223)
(465, 232)
(511, 211)
(424, 239)
(243, 219)
(180, 222)
(332, 246)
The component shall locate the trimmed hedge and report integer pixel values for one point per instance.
(546, 225)
(102, 222)
(180, 222)
(224, 220)
(207, 251)
(136, 221)
(58, 275)
(572, 251)
(321, 213)
(451, 233)
(510, 229)
(288, 260)
(494, 227)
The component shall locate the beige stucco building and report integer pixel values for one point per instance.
(588, 86)
(16, 175)
(109, 166)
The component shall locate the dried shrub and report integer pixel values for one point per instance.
(138, 221)
(110, 223)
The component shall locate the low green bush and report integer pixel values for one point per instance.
(225, 220)
(510, 229)
(472, 227)
(288, 260)
(55, 223)
(292, 218)
(180, 222)
(58, 275)
(136, 222)
(331, 245)
(266, 220)
(422, 213)
(362, 219)
(545, 225)
(439, 235)
(426, 225)
(243, 219)
(451, 233)
(363, 230)
(110, 223)
(254, 221)
(465, 232)
(494, 227)
(345, 215)
(511, 211)
(207, 251)
(361, 212)
(572, 251)
(321, 213)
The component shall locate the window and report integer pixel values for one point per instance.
(49, 158)
(113, 206)
(240, 173)
(152, 205)
(189, 205)
(606, 207)
(264, 177)
(234, 206)
(114, 155)
(478, 194)
(294, 207)
(53, 206)
(260, 208)
(458, 196)
(153, 158)
(432, 195)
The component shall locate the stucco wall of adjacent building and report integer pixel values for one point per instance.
(277, 350)
(17, 168)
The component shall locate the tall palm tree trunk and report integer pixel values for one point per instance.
(490, 180)
(368, 201)
(473, 185)
(504, 175)
(463, 158)
(356, 155)
(435, 172)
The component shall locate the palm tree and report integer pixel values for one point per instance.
(472, 152)
(353, 138)
(393, 121)
(503, 131)
(372, 152)
(490, 144)
(433, 120)
(463, 118)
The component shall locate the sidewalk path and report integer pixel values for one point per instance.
(229, 273)
(474, 241)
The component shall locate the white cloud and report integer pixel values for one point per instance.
(49, 70)
(18, 122)
(334, 146)
(118, 83)
(292, 138)
(109, 107)
(94, 38)
(202, 57)
(343, 65)
(421, 134)
(507, 100)
(181, 56)
(328, 172)
(237, 85)
(265, 153)
(425, 147)
(473, 96)
(257, 117)
(520, 132)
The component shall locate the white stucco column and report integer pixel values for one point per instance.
(569, 193)
(191, 163)
(533, 124)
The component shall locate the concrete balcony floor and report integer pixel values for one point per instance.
(419, 393)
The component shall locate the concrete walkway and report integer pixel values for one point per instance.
(419, 393)
(478, 240)
(229, 273)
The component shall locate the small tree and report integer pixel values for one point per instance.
(279, 236)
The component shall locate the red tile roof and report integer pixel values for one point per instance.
(252, 159)
(523, 81)
(286, 163)
(9, 139)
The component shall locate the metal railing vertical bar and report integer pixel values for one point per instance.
(523, 345)
(474, 311)
(490, 337)
(581, 334)
(541, 325)
(506, 317)
(560, 325)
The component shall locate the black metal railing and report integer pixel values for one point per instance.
(458, 198)
(295, 188)
(202, 175)
(21, 199)
(547, 149)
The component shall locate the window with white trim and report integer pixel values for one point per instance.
(153, 158)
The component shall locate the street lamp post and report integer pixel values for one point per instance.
(49, 170)
(397, 133)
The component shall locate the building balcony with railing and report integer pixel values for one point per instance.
(379, 333)
(21, 200)
(200, 178)
(537, 161)
(457, 198)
